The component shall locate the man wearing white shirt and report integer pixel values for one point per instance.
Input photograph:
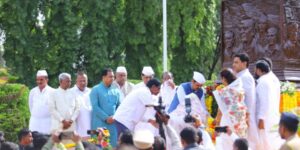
(267, 111)
(64, 106)
(273, 76)
(147, 74)
(193, 91)
(240, 66)
(121, 82)
(82, 93)
(187, 88)
(132, 109)
(40, 119)
(168, 89)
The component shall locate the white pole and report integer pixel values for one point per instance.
(165, 56)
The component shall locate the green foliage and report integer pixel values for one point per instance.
(14, 113)
(143, 34)
(91, 35)
(6, 77)
(134, 81)
(192, 32)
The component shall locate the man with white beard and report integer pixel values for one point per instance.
(240, 66)
(121, 82)
(64, 106)
(267, 113)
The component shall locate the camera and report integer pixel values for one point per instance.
(92, 132)
(188, 109)
(66, 135)
(221, 129)
(160, 110)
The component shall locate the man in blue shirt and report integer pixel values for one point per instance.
(105, 99)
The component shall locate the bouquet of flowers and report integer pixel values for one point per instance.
(211, 129)
(102, 139)
(287, 88)
(210, 102)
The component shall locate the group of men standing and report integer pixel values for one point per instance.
(119, 105)
(80, 108)
(262, 98)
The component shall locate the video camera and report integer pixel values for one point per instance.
(222, 129)
(160, 109)
(188, 109)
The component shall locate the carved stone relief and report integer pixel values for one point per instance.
(263, 28)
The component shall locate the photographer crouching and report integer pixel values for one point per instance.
(191, 113)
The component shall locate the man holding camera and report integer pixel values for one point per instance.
(132, 109)
(187, 102)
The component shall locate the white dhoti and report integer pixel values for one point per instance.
(40, 124)
(197, 110)
(142, 125)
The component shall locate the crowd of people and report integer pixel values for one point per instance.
(248, 111)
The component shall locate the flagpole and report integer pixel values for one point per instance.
(165, 51)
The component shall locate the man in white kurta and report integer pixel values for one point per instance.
(240, 66)
(134, 107)
(168, 89)
(121, 82)
(193, 91)
(274, 78)
(82, 92)
(40, 119)
(64, 106)
(147, 74)
(267, 108)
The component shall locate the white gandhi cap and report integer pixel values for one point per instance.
(121, 69)
(143, 139)
(198, 77)
(42, 73)
(148, 71)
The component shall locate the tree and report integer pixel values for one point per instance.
(192, 30)
(90, 35)
(143, 34)
(101, 38)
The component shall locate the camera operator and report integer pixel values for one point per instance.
(133, 108)
(189, 114)
(188, 140)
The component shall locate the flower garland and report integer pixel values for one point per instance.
(210, 102)
(288, 88)
(102, 139)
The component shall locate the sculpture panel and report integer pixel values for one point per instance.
(268, 28)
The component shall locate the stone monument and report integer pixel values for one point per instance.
(263, 28)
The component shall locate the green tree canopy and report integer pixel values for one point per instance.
(91, 35)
